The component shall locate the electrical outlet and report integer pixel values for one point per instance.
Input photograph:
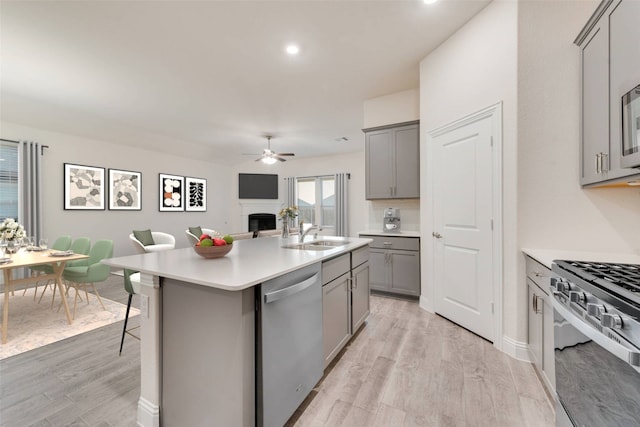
(144, 305)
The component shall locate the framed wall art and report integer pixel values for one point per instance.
(125, 190)
(196, 194)
(171, 193)
(83, 187)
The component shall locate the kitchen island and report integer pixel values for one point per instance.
(198, 327)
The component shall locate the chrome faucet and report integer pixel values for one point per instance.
(304, 233)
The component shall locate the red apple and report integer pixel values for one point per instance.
(204, 236)
(219, 242)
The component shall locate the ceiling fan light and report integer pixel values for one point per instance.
(268, 160)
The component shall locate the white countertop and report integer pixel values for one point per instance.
(547, 256)
(402, 233)
(249, 263)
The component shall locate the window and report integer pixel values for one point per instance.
(8, 180)
(316, 200)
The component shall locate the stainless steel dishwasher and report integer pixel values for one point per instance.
(288, 343)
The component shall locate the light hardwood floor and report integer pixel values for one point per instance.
(405, 367)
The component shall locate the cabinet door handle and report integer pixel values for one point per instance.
(391, 191)
(604, 162)
(436, 235)
(597, 163)
(534, 304)
(537, 274)
(387, 243)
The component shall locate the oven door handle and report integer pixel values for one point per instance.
(629, 355)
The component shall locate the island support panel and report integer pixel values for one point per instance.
(208, 356)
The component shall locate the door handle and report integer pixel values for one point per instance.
(604, 162)
(436, 235)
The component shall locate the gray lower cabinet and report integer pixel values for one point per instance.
(345, 299)
(540, 328)
(392, 161)
(336, 319)
(395, 265)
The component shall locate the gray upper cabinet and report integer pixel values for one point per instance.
(608, 66)
(595, 105)
(393, 161)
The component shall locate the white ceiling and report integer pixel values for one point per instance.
(208, 79)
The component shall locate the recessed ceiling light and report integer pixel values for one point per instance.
(430, 1)
(292, 49)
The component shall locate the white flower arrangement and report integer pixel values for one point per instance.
(289, 213)
(11, 230)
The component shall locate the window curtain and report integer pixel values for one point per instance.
(342, 204)
(291, 195)
(30, 187)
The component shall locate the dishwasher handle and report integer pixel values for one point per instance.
(290, 290)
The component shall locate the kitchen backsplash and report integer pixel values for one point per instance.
(409, 213)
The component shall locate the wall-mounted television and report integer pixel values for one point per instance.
(257, 186)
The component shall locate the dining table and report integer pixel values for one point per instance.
(23, 258)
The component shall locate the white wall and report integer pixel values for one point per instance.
(117, 225)
(352, 163)
(473, 69)
(554, 211)
(394, 108)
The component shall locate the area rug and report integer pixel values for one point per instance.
(32, 325)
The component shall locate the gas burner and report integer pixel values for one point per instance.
(622, 280)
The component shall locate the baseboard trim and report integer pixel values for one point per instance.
(516, 349)
(148, 413)
(425, 304)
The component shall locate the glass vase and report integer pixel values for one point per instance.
(285, 228)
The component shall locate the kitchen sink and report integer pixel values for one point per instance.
(308, 247)
(332, 243)
(317, 245)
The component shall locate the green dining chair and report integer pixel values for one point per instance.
(62, 243)
(79, 276)
(132, 286)
(81, 245)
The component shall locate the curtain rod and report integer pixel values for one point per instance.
(42, 147)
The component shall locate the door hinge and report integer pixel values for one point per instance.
(492, 308)
(492, 225)
(492, 141)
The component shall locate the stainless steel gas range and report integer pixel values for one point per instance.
(597, 343)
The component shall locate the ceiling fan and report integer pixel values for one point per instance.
(269, 156)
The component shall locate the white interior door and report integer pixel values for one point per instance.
(462, 230)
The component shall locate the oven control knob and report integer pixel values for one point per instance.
(596, 310)
(578, 296)
(558, 284)
(613, 321)
(567, 287)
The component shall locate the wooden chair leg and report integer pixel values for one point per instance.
(126, 318)
(98, 295)
(75, 301)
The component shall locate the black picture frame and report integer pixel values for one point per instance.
(171, 193)
(84, 187)
(195, 194)
(125, 190)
